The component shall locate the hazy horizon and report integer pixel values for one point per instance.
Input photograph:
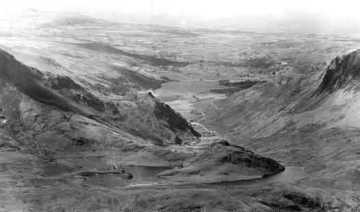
(258, 15)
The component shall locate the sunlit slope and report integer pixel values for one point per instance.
(311, 123)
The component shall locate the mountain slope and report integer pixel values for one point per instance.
(64, 144)
(65, 94)
(310, 123)
(340, 72)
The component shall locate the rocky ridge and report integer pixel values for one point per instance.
(73, 140)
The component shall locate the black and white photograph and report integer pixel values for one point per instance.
(180, 106)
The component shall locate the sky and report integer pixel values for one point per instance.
(333, 13)
(208, 9)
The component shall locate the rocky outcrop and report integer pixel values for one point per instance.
(340, 72)
(68, 88)
(222, 161)
(175, 121)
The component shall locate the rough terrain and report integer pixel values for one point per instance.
(103, 116)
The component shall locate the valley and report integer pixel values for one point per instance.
(107, 116)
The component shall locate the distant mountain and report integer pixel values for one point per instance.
(75, 20)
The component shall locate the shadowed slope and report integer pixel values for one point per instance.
(63, 93)
(28, 80)
(152, 60)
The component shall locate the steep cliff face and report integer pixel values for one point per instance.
(341, 71)
(173, 119)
